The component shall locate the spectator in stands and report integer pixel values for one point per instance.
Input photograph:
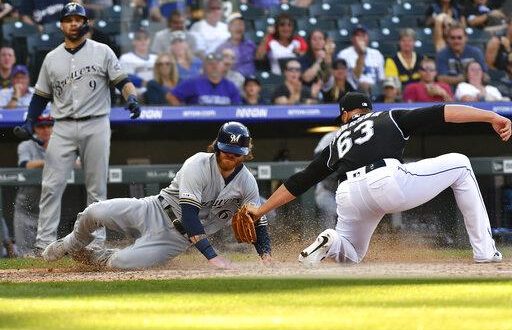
(208, 89)
(427, 89)
(7, 61)
(506, 81)
(317, 62)
(165, 77)
(293, 91)
(244, 48)
(405, 64)
(498, 49)
(452, 60)
(188, 65)
(337, 85)
(390, 91)
(365, 64)
(479, 15)
(37, 12)
(473, 88)
(26, 209)
(139, 63)
(162, 39)
(281, 42)
(161, 10)
(5, 9)
(228, 60)
(20, 94)
(97, 6)
(252, 91)
(440, 15)
(211, 31)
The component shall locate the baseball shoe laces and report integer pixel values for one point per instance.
(496, 257)
(317, 251)
(55, 250)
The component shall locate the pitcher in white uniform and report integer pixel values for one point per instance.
(366, 154)
(201, 200)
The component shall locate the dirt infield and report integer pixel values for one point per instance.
(387, 258)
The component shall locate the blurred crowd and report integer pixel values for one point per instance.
(214, 52)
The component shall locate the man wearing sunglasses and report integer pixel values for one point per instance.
(428, 89)
(452, 59)
(201, 200)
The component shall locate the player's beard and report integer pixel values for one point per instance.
(227, 164)
(75, 36)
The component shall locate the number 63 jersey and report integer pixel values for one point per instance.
(364, 140)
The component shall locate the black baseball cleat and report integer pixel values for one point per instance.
(316, 252)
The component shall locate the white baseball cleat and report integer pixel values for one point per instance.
(316, 252)
(496, 257)
(55, 250)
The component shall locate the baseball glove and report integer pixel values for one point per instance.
(243, 226)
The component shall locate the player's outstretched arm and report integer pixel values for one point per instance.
(457, 113)
(280, 197)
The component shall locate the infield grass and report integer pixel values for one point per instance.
(259, 303)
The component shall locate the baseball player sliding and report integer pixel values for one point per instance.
(75, 77)
(201, 200)
(366, 154)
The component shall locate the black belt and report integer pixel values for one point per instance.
(78, 119)
(175, 222)
(373, 166)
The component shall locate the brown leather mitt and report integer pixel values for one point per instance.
(243, 226)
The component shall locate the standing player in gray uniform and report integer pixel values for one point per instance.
(31, 155)
(366, 154)
(202, 198)
(75, 76)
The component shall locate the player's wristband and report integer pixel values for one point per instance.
(205, 248)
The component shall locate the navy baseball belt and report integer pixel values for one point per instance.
(375, 165)
(79, 119)
(172, 217)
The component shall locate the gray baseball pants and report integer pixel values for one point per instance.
(145, 219)
(91, 138)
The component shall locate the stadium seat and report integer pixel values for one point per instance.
(383, 34)
(387, 48)
(50, 28)
(111, 27)
(261, 25)
(252, 12)
(329, 10)
(398, 22)
(478, 35)
(424, 34)
(496, 75)
(268, 78)
(368, 9)
(118, 13)
(339, 35)
(309, 24)
(44, 41)
(425, 48)
(296, 12)
(18, 29)
(409, 9)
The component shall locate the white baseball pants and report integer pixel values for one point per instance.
(364, 198)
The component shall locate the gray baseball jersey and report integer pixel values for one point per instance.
(198, 182)
(79, 82)
(26, 208)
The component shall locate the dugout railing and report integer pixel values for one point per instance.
(153, 177)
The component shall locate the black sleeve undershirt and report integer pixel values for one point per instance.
(409, 121)
(315, 172)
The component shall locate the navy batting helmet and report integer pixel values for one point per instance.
(71, 9)
(234, 138)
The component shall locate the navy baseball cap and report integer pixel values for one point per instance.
(359, 28)
(355, 100)
(251, 78)
(19, 69)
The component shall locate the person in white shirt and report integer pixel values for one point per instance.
(211, 31)
(474, 89)
(20, 94)
(163, 38)
(139, 63)
(365, 64)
